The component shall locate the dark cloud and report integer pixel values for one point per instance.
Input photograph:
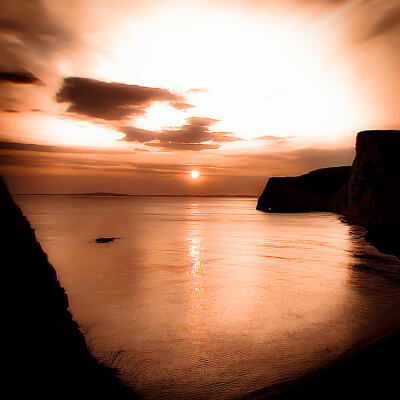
(195, 135)
(112, 101)
(134, 134)
(19, 78)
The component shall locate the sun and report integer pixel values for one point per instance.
(194, 174)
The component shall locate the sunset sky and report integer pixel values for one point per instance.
(131, 96)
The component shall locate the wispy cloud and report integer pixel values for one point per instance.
(8, 145)
(275, 139)
(294, 162)
(195, 135)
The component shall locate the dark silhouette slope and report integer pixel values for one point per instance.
(43, 350)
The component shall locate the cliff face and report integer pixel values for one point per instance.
(373, 192)
(44, 352)
(319, 190)
(367, 193)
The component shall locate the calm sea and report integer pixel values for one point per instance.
(207, 298)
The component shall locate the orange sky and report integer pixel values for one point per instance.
(130, 96)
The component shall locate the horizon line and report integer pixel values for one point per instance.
(105, 194)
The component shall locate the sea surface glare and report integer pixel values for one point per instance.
(207, 298)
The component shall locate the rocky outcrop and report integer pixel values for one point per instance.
(319, 190)
(373, 191)
(369, 196)
(43, 351)
(367, 193)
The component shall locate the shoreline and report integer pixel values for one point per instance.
(367, 370)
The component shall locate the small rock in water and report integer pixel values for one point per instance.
(104, 239)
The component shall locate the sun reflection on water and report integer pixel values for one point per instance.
(195, 287)
(194, 248)
(194, 252)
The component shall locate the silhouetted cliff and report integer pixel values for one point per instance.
(367, 193)
(43, 350)
(373, 193)
(319, 190)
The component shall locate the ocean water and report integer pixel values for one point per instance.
(207, 298)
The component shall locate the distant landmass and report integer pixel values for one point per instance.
(100, 194)
(94, 194)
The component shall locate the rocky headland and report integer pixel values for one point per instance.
(372, 194)
(319, 190)
(43, 350)
(366, 193)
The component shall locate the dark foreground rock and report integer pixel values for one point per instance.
(44, 354)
